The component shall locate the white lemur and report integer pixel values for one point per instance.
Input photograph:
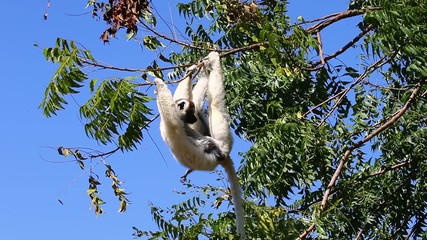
(196, 142)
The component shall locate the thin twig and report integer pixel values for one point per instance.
(157, 147)
(173, 39)
(388, 87)
(340, 16)
(227, 52)
(419, 222)
(104, 154)
(387, 169)
(343, 93)
(321, 54)
(323, 60)
(168, 25)
(319, 19)
(335, 14)
(360, 234)
(367, 71)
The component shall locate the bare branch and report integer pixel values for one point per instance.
(306, 232)
(339, 16)
(323, 59)
(360, 234)
(104, 154)
(321, 54)
(387, 169)
(173, 39)
(319, 19)
(105, 66)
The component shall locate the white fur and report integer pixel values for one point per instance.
(174, 133)
(219, 123)
(187, 142)
(219, 119)
(183, 91)
(199, 96)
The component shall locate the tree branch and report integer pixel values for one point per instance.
(104, 154)
(347, 153)
(321, 53)
(173, 39)
(370, 69)
(342, 93)
(244, 48)
(339, 16)
(387, 169)
(350, 149)
(323, 59)
(105, 66)
(224, 52)
(306, 232)
(319, 19)
(360, 234)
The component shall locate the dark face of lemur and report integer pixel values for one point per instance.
(187, 111)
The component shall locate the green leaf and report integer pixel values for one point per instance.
(117, 110)
(67, 78)
(152, 42)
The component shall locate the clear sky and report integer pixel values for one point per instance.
(31, 184)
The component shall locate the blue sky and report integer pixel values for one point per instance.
(31, 183)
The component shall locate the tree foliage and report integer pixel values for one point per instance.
(338, 148)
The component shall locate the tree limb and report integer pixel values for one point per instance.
(339, 16)
(370, 69)
(173, 39)
(323, 59)
(387, 169)
(321, 53)
(224, 52)
(350, 149)
(306, 232)
(347, 153)
(342, 93)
